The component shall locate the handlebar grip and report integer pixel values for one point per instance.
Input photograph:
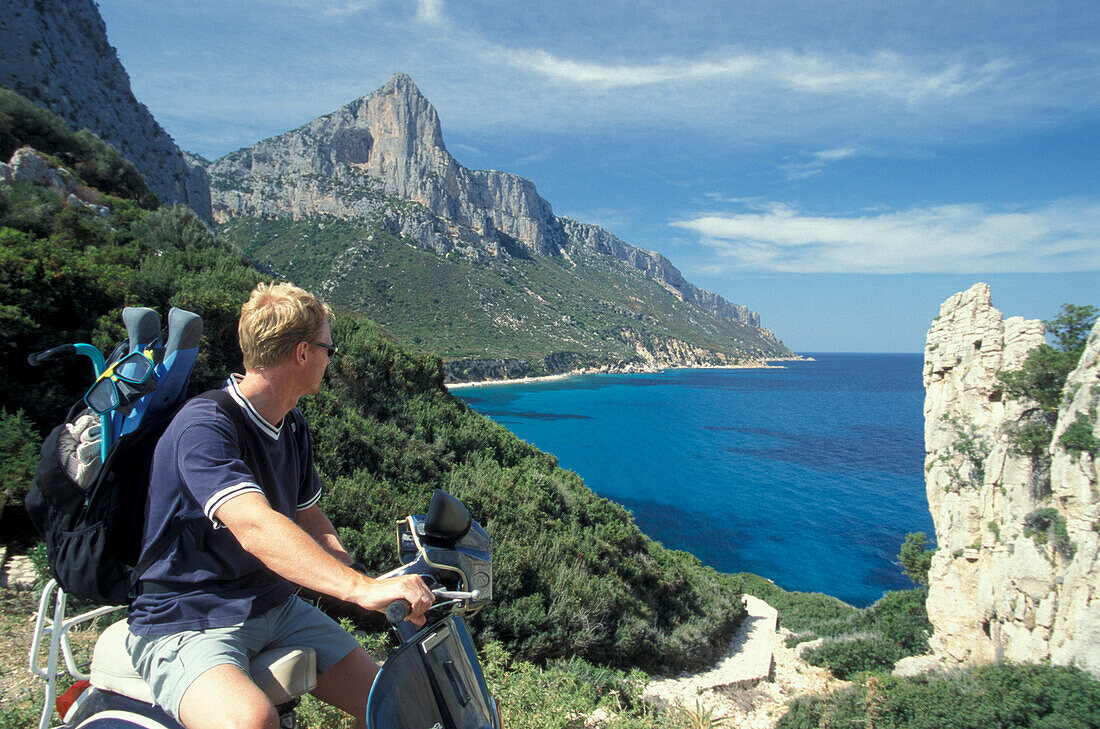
(397, 611)
(39, 358)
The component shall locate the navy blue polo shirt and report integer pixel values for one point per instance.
(198, 465)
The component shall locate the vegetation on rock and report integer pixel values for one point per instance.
(1048, 526)
(1042, 378)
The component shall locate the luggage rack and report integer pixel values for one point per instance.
(59, 648)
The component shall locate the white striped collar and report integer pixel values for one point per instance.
(271, 431)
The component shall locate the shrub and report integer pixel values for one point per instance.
(1048, 526)
(966, 454)
(848, 657)
(916, 557)
(991, 697)
(564, 693)
(173, 226)
(1078, 437)
(19, 446)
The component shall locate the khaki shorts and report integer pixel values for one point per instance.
(170, 663)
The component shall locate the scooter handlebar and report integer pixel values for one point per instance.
(397, 611)
(40, 358)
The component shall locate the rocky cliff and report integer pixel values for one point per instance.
(351, 163)
(55, 52)
(597, 240)
(1017, 572)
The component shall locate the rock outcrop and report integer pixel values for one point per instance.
(352, 163)
(1016, 575)
(56, 53)
(28, 166)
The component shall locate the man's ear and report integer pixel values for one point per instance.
(300, 352)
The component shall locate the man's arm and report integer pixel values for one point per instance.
(289, 551)
(314, 523)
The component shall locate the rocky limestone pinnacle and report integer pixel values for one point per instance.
(998, 589)
(388, 143)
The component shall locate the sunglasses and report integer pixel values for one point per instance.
(332, 349)
(121, 382)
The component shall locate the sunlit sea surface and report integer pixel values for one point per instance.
(809, 475)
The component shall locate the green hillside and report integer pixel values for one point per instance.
(554, 313)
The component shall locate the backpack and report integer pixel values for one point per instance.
(91, 522)
(93, 532)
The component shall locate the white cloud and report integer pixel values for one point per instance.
(1058, 237)
(883, 74)
(612, 76)
(331, 8)
(817, 162)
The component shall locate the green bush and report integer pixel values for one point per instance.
(1048, 526)
(19, 446)
(847, 657)
(916, 557)
(173, 227)
(1078, 437)
(990, 697)
(565, 692)
(876, 638)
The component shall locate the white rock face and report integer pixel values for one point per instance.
(996, 592)
(55, 53)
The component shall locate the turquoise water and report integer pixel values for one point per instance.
(809, 475)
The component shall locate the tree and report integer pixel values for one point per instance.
(1043, 376)
(916, 557)
(173, 227)
(1071, 328)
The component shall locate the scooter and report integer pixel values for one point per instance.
(432, 680)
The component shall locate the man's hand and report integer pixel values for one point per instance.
(378, 594)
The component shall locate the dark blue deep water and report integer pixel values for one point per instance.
(809, 475)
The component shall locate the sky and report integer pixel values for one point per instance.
(840, 168)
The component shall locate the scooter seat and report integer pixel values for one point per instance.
(283, 674)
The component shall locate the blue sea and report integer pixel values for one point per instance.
(809, 475)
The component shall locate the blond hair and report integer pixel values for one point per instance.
(275, 319)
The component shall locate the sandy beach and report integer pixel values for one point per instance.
(764, 365)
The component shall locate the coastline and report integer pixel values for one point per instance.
(759, 365)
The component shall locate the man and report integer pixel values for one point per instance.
(245, 485)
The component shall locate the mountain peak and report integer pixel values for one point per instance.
(401, 82)
(398, 110)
